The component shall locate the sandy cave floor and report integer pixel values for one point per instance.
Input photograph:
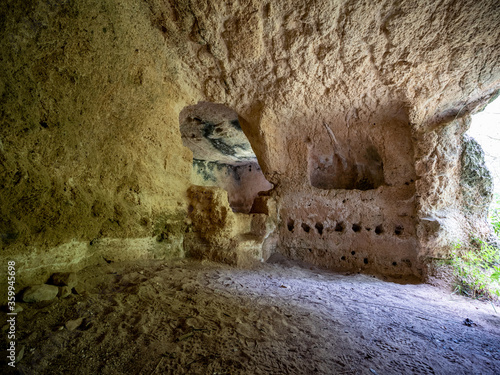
(190, 317)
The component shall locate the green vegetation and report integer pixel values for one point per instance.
(477, 270)
(494, 214)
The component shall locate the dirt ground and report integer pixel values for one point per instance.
(189, 317)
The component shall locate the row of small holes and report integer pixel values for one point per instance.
(365, 260)
(339, 227)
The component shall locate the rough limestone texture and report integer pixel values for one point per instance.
(476, 180)
(213, 132)
(453, 187)
(90, 142)
(222, 154)
(221, 235)
(243, 182)
(355, 111)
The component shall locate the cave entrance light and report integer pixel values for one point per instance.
(485, 129)
(222, 154)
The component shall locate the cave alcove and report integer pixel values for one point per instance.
(222, 154)
(344, 167)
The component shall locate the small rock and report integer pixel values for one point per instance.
(79, 289)
(71, 325)
(41, 292)
(64, 291)
(64, 279)
(469, 323)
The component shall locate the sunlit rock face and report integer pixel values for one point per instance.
(213, 133)
(355, 111)
(476, 180)
(222, 154)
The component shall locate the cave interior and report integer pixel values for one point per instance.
(325, 133)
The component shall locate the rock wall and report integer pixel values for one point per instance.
(375, 93)
(221, 235)
(453, 188)
(361, 226)
(91, 147)
(222, 154)
(242, 182)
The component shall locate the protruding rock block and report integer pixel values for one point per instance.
(222, 235)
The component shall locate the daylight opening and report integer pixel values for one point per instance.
(485, 129)
(222, 154)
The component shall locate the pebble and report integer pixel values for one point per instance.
(71, 325)
(41, 292)
(79, 289)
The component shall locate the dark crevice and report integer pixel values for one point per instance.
(319, 228)
(339, 227)
(356, 228)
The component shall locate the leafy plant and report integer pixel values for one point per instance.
(477, 270)
(494, 214)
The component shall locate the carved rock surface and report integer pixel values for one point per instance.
(91, 92)
(220, 234)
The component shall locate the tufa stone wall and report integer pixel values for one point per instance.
(91, 92)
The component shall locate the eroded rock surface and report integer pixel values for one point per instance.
(222, 235)
(476, 180)
(355, 111)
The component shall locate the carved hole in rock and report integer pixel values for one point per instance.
(339, 227)
(365, 261)
(319, 228)
(356, 228)
(353, 253)
(379, 229)
(222, 154)
(398, 231)
(340, 165)
(305, 227)
(290, 225)
(342, 257)
(394, 264)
